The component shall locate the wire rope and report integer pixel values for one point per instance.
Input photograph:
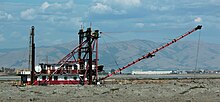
(110, 53)
(197, 54)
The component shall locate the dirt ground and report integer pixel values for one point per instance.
(185, 90)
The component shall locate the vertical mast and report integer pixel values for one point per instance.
(81, 36)
(90, 50)
(32, 55)
(96, 36)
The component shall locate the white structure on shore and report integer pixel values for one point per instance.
(150, 72)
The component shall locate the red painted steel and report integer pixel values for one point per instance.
(68, 56)
(56, 82)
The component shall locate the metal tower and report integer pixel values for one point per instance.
(85, 55)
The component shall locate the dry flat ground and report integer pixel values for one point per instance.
(185, 90)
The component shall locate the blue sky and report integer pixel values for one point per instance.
(58, 21)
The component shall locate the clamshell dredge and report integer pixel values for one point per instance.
(80, 66)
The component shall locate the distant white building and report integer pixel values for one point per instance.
(150, 72)
(25, 72)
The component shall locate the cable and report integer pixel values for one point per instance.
(125, 60)
(110, 53)
(125, 43)
(122, 60)
(197, 54)
(134, 31)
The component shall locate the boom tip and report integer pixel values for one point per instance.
(198, 27)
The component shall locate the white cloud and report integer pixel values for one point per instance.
(122, 3)
(160, 8)
(66, 5)
(119, 12)
(5, 16)
(28, 14)
(140, 25)
(100, 8)
(56, 5)
(45, 5)
(69, 4)
(198, 19)
(2, 38)
(128, 3)
(117, 7)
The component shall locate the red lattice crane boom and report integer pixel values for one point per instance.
(151, 54)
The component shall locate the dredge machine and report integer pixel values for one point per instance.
(81, 66)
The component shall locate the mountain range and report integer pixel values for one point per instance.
(182, 55)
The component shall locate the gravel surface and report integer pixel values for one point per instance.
(187, 90)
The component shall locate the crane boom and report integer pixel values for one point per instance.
(153, 52)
